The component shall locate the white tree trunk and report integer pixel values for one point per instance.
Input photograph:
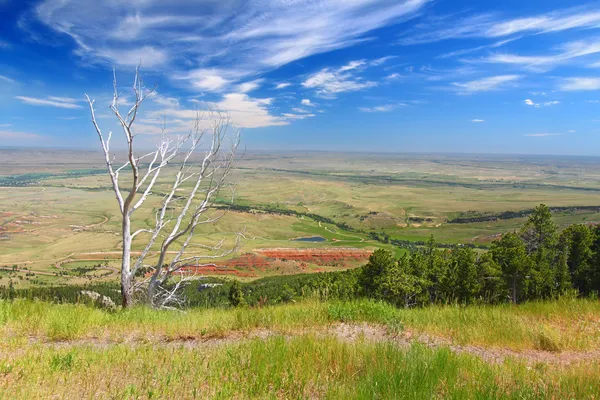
(126, 277)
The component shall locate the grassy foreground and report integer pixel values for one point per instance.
(74, 351)
(564, 324)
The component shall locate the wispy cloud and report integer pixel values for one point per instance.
(477, 120)
(7, 79)
(566, 53)
(164, 101)
(180, 36)
(494, 26)
(300, 110)
(249, 86)
(531, 103)
(307, 102)
(209, 79)
(328, 82)
(579, 84)
(381, 60)
(282, 85)
(297, 116)
(51, 101)
(485, 84)
(383, 108)
(542, 134)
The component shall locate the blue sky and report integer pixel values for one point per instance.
(350, 75)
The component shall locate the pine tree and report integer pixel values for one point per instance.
(579, 240)
(511, 255)
(539, 236)
(236, 295)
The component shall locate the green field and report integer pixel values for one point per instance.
(57, 209)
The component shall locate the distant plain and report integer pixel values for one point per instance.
(59, 220)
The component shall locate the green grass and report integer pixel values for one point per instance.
(76, 351)
(566, 324)
(303, 367)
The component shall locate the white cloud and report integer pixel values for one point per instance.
(542, 134)
(572, 131)
(60, 102)
(297, 116)
(249, 86)
(306, 102)
(7, 79)
(146, 56)
(567, 52)
(491, 26)
(393, 76)
(329, 82)
(164, 101)
(384, 108)
(477, 120)
(352, 65)
(531, 103)
(580, 83)
(211, 80)
(485, 84)
(243, 110)
(249, 38)
(299, 110)
(282, 85)
(382, 60)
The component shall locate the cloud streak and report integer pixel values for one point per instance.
(542, 134)
(494, 27)
(580, 84)
(484, 84)
(51, 101)
(328, 82)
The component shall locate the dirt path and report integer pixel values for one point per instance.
(349, 333)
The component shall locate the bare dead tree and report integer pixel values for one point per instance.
(204, 159)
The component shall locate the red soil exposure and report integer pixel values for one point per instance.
(323, 257)
(215, 270)
(280, 259)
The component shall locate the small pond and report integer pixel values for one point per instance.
(310, 239)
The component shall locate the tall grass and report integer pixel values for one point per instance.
(305, 367)
(566, 324)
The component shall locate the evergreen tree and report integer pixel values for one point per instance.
(370, 279)
(398, 285)
(236, 295)
(511, 255)
(468, 285)
(490, 279)
(540, 237)
(563, 275)
(578, 240)
(595, 261)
